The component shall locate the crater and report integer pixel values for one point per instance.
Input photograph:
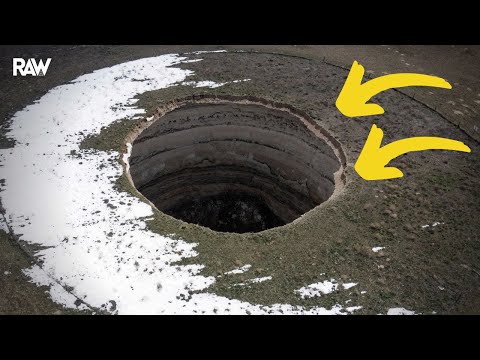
(235, 166)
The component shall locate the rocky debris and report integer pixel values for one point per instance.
(375, 226)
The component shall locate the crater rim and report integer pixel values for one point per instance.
(311, 124)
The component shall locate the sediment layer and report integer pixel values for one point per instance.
(203, 151)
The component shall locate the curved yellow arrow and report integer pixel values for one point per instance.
(353, 98)
(373, 158)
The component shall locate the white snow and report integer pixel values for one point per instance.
(400, 311)
(377, 248)
(318, 289)
(57, 292)
(260, 279)
(210, 84)
(207, 83)
(94, 238)
(436, 223)
(353, 308)
(322, 288)
(347, 286)
(126, 158)
(6, 273)
(207, 52)
(254, 281)
(239, 270)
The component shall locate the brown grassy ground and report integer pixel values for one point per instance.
(337, 237)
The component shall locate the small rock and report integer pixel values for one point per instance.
(375, 226)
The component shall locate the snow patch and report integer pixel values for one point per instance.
(207, 52)
(210, 84)
(126, 157)
(436, 223)
(254, 281)
(261, 279)
(317, 289)
(56, 291)
(349, 285)
(353, 308)
(239, 270)
(377, 248)
(400, 311)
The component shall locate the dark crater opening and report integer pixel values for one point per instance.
(233, 167)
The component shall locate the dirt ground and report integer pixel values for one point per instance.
(433, 269)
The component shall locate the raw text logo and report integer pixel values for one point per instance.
(30, 67)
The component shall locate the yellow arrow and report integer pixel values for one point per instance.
(371, 163)
(353, 98)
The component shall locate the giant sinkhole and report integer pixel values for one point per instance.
(234, 167)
